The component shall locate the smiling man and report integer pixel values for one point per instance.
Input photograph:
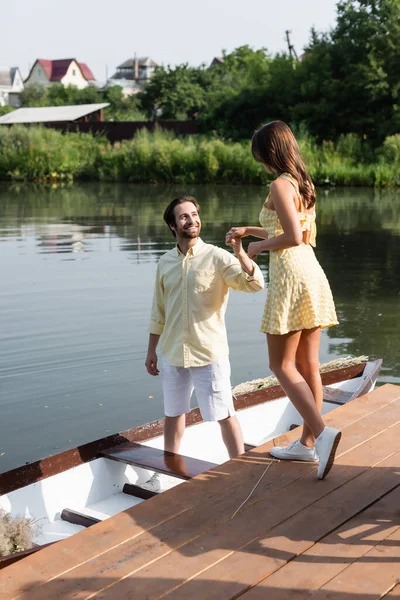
(188, 313)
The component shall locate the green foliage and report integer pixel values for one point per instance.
(38, 153)
(349, 80)
(390, 151)
(5, 110)
(41, 154)
(176, 93)
(120, 109)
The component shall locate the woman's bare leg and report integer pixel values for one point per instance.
(282, 359)
(307, 363)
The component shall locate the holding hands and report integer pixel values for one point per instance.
(235, 232)
(234, 236)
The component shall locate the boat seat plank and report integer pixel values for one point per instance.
(158, 460)
(77, 518)
(138, 492)
(202, 502)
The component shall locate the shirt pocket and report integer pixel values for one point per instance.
(204, 282)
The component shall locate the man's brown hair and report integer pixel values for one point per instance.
(169, 213)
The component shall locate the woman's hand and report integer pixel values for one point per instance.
(235, 232)
(254, 249)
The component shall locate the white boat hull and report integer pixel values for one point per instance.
(95, 488)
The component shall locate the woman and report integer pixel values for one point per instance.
(299, 302)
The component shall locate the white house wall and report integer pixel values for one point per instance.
(4, 95)
(38, 76)
(18, 84)
(8, 93)
(74, 77)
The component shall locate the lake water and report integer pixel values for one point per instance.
(77, 271)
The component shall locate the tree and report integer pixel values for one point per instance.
(175, 93)
(5, 110)
(57, 95)
(350, 78)
(248, 89)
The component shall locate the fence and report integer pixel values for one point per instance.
(117, 131)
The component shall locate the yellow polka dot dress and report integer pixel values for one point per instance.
(299, 296)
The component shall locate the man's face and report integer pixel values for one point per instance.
(187, 220)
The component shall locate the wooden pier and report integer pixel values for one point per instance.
(295, 537)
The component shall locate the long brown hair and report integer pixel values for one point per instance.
(275, 146)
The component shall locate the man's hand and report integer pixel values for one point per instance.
(151, 363)
(254, 249)
(236, 244)
(235, 232)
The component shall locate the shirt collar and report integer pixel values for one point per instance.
(194, 249)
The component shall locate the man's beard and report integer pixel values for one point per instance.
(189, 235)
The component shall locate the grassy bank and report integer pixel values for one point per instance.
(39, 154)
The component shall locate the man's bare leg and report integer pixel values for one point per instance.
(174, 428)
(232, 436)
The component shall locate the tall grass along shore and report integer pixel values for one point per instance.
(41, 154)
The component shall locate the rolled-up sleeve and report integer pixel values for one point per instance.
(157, 318)
(239, 280)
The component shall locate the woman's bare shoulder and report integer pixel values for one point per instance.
(282, 188)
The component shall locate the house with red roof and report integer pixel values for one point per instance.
(67, 71)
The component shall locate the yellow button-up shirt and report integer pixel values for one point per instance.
(189, 303)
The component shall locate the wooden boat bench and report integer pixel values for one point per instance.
(158, 460)
(146, 457)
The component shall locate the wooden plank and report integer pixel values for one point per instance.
(158, 460)
(77, 518)
(6, 561)
(215, 547)
(357, 581)
(332, 554)
(157, 544)
(126, 529)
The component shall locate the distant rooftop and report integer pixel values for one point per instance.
(7, 75)
(56, 69)
(142, 61)
(47, 114)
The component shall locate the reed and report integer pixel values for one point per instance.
(41, 154)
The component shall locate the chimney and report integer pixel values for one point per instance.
(135, 68)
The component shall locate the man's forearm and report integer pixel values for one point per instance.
(153, 341)
(245, 262)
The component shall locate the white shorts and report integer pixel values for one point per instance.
(211, 383)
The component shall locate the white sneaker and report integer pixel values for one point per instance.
(294, 451)
(326, 444)
(153, 484)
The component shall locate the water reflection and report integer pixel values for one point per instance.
(77, 274)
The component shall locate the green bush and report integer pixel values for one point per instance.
(390, 150)
(41, 154)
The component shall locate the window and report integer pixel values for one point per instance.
(73, 72)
